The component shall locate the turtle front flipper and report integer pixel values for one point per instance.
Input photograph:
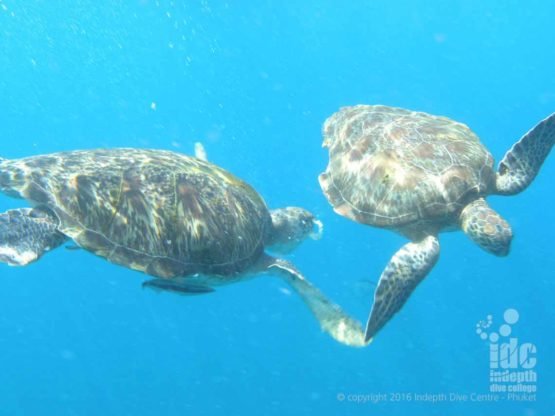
(26, 234)
(406, 269)
(523, 161)
(177, 285)
(331, 317)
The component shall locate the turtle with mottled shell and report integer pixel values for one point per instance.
(188, 223)
(419, 174)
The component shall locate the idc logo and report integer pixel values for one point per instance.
(511, 362)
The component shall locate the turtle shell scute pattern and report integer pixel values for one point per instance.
(159, 212)
(392, 167)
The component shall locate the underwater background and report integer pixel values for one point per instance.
(254, 81)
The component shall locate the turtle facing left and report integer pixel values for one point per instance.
(187, 222)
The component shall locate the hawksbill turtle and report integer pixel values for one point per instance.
(187, 222)
(420, 174)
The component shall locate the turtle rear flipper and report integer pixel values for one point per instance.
(331, 317)
(523, 161)
(406, 269)
(26, 234)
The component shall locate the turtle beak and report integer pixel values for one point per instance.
(317, 229)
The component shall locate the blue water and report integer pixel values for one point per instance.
(254, 81)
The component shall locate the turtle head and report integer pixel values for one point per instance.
(486, 227)
(290, 227)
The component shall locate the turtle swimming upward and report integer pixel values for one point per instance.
(420, 174)
(183, 220)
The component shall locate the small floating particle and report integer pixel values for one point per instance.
(200, 151)
(285, 291)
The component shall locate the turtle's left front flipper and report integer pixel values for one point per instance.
(523, 161)
(331, 317)
(406, 269)
(26, 234)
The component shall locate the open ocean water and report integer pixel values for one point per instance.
(254, 81)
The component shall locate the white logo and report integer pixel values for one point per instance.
(511, 362)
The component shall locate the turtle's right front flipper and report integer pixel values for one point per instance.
(26, 234)
(523, 161)
(408, 267)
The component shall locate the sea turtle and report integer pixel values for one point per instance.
(187, 222)
(420, 174)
